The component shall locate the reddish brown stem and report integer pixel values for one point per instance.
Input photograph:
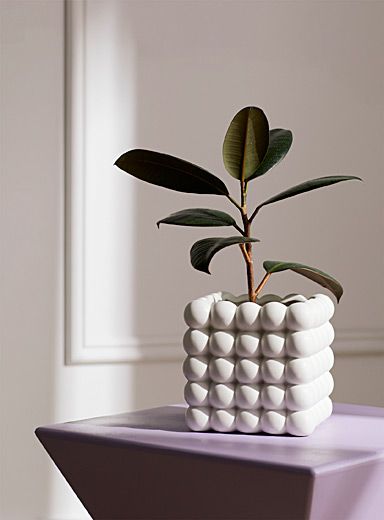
(248, 245)
(261, 285)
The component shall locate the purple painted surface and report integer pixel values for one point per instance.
(352, 435)
(339, 469)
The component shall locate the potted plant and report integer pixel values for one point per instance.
(254, 363)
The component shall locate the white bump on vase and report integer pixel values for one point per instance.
(273, 397)
(247, 317)
(195, 368)
(272, 316)
(248, 396)
(301, 397)
(197, 312)
(247, 370)
(196, 393)
(247, 344)
(304, 422)
(221, 343)
(304, 343)
(195, 342)
(273, 344)
(198, 418)
(327, 333)
(222, 395)
(223, 420)
(222, 370)
(299, 316)
(273, 370)
(326, 300)
(223, 315)
(273, 421)
(248, 421)
(320, 311)
(305, 370)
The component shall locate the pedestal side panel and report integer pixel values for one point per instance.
(128, 482)
(353, 493)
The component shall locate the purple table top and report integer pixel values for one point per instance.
(351, 436)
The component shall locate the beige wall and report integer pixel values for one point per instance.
(315, 67)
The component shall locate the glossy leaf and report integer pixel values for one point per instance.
(202, 217)
(204, 250)
(313, 184)
(314, 274)
(170, 172)
(246, 142)
(280, 142)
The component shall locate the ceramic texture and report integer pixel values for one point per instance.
(258, 367)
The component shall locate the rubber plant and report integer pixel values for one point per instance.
(250, 150)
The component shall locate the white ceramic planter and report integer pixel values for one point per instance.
(261, 366)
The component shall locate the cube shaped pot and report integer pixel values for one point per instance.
(258, 367)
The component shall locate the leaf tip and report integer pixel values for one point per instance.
(201, 268)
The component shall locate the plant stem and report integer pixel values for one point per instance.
(238, 229)
(231, 199)
(254, 214)
(247, 248)
(244, 251)
(261, 285)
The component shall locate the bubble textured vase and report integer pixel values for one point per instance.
(258, 367)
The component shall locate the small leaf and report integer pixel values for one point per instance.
(314, 274)
(280, 142)
(204, 250)
(170, 172)
(202, 217)
(246, 142)
(310, 185)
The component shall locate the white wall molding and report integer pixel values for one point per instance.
(359, 341)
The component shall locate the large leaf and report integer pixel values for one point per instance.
(170, 172)
(201, 217)
(204, 250)
(246, 142)
(280, 142)
(313, 184)
(314, 274)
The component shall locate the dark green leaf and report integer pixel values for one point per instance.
(246, 142)
(314, 274)
(280, 142)
(170, 172)
(202, 217)
(313, 184)
(204, 250)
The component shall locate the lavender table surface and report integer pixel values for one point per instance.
(335, 474)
